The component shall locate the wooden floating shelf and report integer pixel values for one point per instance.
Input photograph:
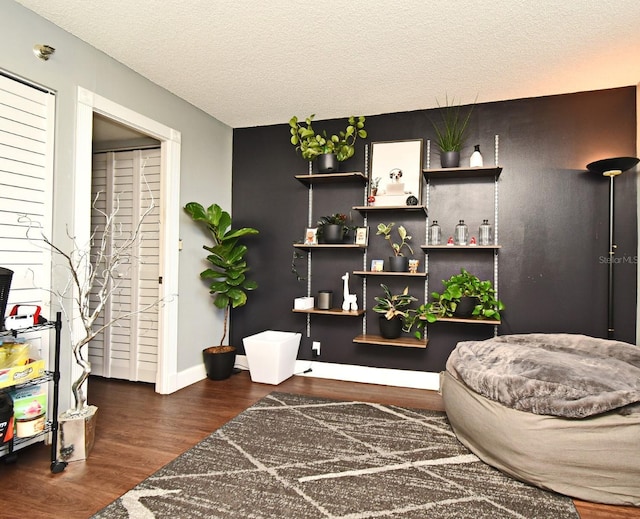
(460, 247)
(320, 178)
(463, 172)
(330, 246)
(388, 273)
(331, 311)
(404, 342)
(467, 321)
(372, 208)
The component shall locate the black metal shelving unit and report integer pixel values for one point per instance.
(15, 444)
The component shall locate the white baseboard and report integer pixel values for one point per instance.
(364, 374)
(328, 370)
(189, 376)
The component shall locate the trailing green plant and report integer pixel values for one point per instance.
(294, 268)
(444, 303)
(385, 230)
(311, 144)
(450, 135)
(227, 273)
(393, 305)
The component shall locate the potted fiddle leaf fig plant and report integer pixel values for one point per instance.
(451, 133)
(227, 275)
(398, 262)
(393, 309)
(328, 149)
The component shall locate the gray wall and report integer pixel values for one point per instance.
(205, 155)
(553, 225)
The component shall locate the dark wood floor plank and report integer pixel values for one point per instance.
(139, 431)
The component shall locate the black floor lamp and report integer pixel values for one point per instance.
(611, 168)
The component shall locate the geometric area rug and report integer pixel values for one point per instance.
(298, 457)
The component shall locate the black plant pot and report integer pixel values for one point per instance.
(450, 159)
(332, 233)
(398, 264)
(328, 163)
(219, 361)
(390, 328)
(465, 306)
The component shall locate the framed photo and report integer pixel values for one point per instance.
(362, 235)
(377, 265)
(396, 172)
(311, 236)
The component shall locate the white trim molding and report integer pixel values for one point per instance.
(363, 374)
(88, 103)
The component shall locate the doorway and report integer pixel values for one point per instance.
(125, 190)
(89, 105)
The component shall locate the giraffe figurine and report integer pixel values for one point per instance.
(350, 301)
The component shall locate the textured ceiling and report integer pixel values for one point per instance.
(251, 63)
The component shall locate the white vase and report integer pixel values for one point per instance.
(476, 158)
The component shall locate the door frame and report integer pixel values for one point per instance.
(87, 103)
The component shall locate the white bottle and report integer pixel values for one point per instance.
(476, 158)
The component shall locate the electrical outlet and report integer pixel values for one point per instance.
(315, 348)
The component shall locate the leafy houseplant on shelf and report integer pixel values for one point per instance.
(464, 295)
(394, 309)
(398, 262)
(227, 275)
(328, 149)
(333, 228)
(450, 134)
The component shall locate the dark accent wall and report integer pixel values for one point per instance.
(553, 225)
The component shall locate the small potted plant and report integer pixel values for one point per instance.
(374, 186)
(398, 262)
(394, 308)
(328, 149)
(464, 295)
(333, 228)
(227, 275)
(450, 135)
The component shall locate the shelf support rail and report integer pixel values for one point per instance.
(426, 252)
(364, 256)
(309, 224)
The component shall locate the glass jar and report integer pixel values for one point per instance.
(435, 234)
(485, 233)
(461, 234)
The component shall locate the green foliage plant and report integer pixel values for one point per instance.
(450, 134)
(393, 305)
(227, 274)
(334, 219)
(444, 303)
(311, 144)
(385, 230)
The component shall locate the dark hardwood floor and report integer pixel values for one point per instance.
(139, 431)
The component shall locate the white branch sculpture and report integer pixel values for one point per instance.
(98, 275)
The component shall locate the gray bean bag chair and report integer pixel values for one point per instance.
(559, 411)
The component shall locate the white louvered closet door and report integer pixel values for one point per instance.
(129, 181)
(26, 191)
